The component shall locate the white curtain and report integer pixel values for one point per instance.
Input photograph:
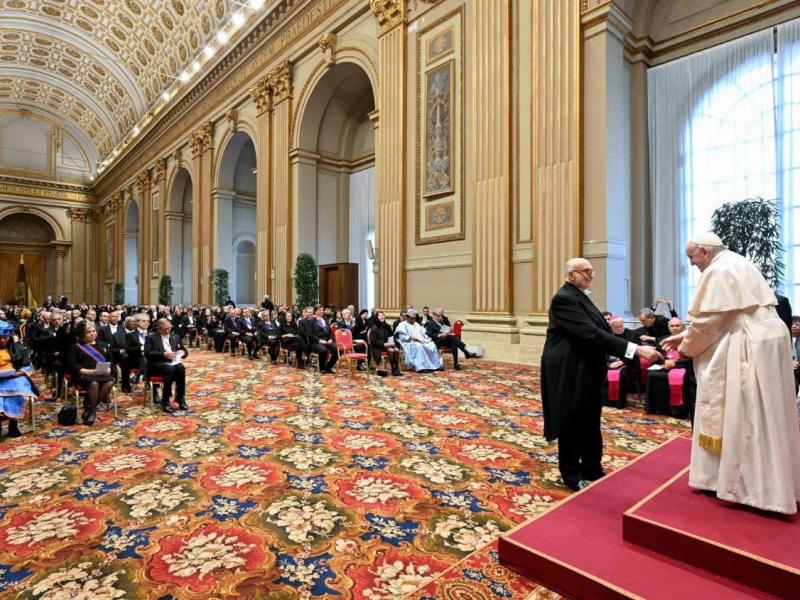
(788, 86)
(362, 228)
(712, 140)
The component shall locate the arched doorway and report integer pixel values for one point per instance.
(28, 273)
(130, 237)
(335, 208)
(235, 198)
(179, 237)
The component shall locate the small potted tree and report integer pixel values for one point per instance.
(220, 286)
(165, 290)
(306, 288)
(751, 228)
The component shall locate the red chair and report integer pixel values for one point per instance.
(457, 327)
(344, 343)
(149, 385)
(112, 398)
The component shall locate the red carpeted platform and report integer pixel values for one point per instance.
(578, 550)
(749, 546)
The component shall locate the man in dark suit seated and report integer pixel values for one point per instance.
(163, 351)
(623, 373)
(653, 327)
(318, 338)
(231, 325)
(55, 346)
(440, 333)
(134, 346)
(671, 384)
(247, 331)
(267, 334)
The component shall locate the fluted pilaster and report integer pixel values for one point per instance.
(491, 156)
(261, 93)
(555, 170)
(390, 153)
(281, 257)
(203, 224)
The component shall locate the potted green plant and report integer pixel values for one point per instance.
(165, 290)
(118, 292)
(751, 228)
(220, 286)
(306, 288)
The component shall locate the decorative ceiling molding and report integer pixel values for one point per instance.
(101, 64)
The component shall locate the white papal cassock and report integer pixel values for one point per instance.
(746, 442)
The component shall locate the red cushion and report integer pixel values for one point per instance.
(354, 355)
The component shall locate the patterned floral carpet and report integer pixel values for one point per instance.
(280, 484)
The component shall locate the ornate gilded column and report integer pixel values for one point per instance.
(203, 226)
(280, 84)
(555, 158)
(60, 251)
(390, 154)
(145, 270)
(78, 218)
(159, 181)
(261, 93)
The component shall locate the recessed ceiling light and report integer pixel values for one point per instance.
(195, 66)
(136, 130)
(222, 37)
(165, 96)
(208, 51)
(184, 77)
(256, 4)
(238, 19)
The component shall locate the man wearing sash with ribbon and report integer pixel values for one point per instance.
(746, 442)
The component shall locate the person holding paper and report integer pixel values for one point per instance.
(88, 360)
(439, 331)
(163, 352)
(381, 340)
(15, 383)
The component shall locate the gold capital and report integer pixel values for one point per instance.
(280, 81)
(159, 170)
(78, 214)
(390, 13)
(261, 94)
(142, 181)
(201, 139)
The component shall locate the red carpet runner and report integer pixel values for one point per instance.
(578, 548)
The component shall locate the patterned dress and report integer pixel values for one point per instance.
(13, 389)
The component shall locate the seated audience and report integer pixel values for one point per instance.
(671, 388)
(16, 386)
(83, 359)
(318, 338)
(134, 346)
(246, 326)
(421, 353)
(381, 340)
(442, 335)
(290, 338)
(163, 351)
(623, 373)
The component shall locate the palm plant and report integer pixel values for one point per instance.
(751, 228)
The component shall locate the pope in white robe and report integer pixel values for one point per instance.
(746, 441)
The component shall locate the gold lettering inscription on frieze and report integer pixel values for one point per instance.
(37, 192)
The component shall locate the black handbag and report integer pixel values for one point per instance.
(68, 415)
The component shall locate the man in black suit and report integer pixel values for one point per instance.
(267, 304)
(440, 333)
(231, 325)
(574, 360)
(161, 348)
(318, 338)
(267, 334)
(247, 331)
(134, 344)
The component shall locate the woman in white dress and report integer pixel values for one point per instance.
(421, 353)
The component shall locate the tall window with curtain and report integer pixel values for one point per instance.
(724, 126)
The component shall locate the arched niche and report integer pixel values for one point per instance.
(235, 198)
(179, 236)
(29, 267)
(335, 173)
(130, 243)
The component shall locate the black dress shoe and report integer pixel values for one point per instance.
(594, 476)
(397, 373)
(576, 486)
(457, 367)
(167, 407)
(182, 404)
(13, 429)
(361, 368)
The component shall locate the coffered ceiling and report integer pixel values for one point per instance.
(97, 66)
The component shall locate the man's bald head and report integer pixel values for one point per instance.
(579, 272)
(675, 325)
